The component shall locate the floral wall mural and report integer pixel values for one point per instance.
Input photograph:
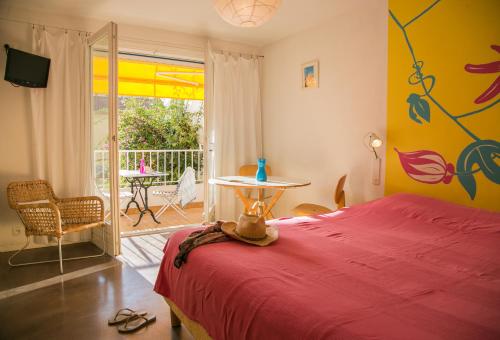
(443, 113)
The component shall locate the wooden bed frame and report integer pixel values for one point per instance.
(177, 317)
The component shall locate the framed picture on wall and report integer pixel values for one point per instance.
(310, 74)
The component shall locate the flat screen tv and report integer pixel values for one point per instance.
(26, 69)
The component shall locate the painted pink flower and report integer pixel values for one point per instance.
(426, 166)
(494, 67)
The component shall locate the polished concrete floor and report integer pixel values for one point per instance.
(77, 305)
(12, 277)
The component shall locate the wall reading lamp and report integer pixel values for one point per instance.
(373, 142)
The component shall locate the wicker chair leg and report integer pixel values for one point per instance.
(59, 242)
(97, 255)
(60, 259)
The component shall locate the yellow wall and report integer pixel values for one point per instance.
(445, 38)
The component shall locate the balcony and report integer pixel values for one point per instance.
(171, 163)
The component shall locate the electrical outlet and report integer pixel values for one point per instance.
(16, 230)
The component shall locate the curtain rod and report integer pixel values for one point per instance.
(125, 38)
(238, 53)
(43, 25)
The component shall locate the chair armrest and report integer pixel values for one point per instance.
(40, 218)
(81, 210)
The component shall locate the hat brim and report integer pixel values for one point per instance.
(229, 228)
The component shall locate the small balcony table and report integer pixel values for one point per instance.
(137, 182)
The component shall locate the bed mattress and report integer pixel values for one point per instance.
(402, 267)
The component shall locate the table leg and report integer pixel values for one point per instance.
(146, 204)
(273, 201)
(132, 200)
(144, 199)
(269, 215)
(246, 202)
(261, 205)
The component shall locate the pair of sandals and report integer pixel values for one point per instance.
(130, 321)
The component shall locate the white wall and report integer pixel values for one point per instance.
(317, 134)
(314, 134)
(15, 160)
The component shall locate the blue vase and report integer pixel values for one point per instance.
(261, 175)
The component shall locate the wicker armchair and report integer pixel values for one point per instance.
(43, 213)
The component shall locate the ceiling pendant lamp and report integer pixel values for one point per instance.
(246, 13)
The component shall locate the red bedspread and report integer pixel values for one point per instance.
(403, 267)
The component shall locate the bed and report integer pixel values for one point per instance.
(401, 267)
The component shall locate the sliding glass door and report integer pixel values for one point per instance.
(103, 115)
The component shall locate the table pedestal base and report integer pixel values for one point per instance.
(259, 206)
(136, 184)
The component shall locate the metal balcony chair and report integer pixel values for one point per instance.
(123, 196)
(184, 193)
(42, 213)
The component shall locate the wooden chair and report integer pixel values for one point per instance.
(42, 213)
(250, 170)
(307, 209)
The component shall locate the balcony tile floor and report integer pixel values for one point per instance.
(168, 219)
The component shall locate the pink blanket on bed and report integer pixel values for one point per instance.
(403, 267)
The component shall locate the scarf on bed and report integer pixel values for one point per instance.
(211, 234)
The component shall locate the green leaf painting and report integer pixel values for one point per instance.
(419, 108)
(481, 154)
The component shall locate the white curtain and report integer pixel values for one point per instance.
(60, 119)
(234, 125)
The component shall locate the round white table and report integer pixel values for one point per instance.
(238, 183)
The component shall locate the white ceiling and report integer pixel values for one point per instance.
(198, 16)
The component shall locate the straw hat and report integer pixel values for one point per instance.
(251, 229)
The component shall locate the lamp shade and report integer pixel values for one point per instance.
(246, 13)
(375, 141)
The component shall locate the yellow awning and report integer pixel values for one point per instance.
(149, 79)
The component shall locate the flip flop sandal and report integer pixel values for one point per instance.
(123, 315)
(136, 323)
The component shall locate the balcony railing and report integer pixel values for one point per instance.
(171, 163)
